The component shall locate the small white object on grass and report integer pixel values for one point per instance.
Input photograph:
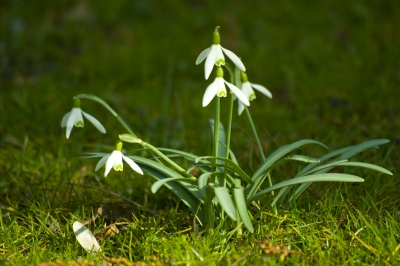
(85, 238)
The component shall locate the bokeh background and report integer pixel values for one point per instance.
(332, 67)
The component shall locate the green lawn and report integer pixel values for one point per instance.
(333, 68)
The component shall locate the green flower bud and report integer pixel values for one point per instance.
(244, 76)
(118, 145)
(77, 103)
(216, 38)
(130, 138)
(220, 72)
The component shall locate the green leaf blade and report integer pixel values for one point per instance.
(225, 200)
(329, 177)
(242, 208)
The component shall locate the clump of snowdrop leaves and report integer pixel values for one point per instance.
(74, 117)
(114, 160)
(247, 89)
(218, 88)
(85, 238)
(215, 55)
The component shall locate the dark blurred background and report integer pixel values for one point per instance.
(332, 67)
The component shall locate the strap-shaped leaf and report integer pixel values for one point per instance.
(322, 159)
(177, 189)
(156, 186)
(362, 147)
(279, 153)
(242, 208)
(330, 177)
(367, 165)
(300, 158)
(167, 173)
(325, 166)
(209, 210)
(232, 166)
(346, 154)
(251, 190)
(202, 182)
(225, 200)
(186, 155)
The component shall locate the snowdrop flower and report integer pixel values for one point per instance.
(247, 89)
(85, 238)
(114, 160)
(74, 117)
(215, 55)
(218, 88)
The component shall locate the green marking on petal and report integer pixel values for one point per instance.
(118, 167)
(220, 62)
(252, 97)
(79, 123)
(221, 94)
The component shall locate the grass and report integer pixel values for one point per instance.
(332, 67)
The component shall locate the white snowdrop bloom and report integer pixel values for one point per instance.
(218, 88)
(215, 56)
(85, 238)
(247, 89)
(114, 160)
(74, 117)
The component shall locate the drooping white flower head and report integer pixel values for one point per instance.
(215, 56)
(218, 88)
(114, 160)
(247, 89)
(85, 238)
(74, 117)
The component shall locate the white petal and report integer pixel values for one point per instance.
(202, 56)
(65, 119)
(220, 58)
(245, 88)
(262, 89)
(118, 162)
(95, 122)
(235, 59)
(102, 162)
(248, 91)
(115, 155)
(79, 118)
(210, 93)
(238, 93)
(75, 114)
(132, 164)
(210, 61)
(240, 107)
(221, 86)
(85, 238)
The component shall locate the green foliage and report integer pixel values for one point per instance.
(331, 66)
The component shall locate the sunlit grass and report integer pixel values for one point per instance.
(333, 72)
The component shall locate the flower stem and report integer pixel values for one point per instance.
(133, 139)
(253, 128)
(102, 102)
(231, 73)
(162, 155)
(229, 124)
(216, 129)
